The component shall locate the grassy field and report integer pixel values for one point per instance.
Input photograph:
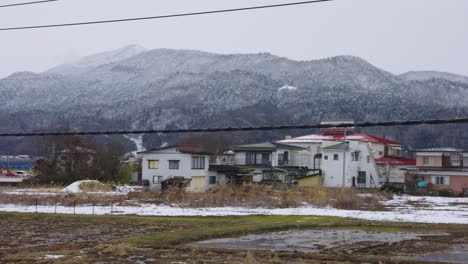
(26, 238)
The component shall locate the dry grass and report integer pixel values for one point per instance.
(96, 187)
(249, 195)
(252, 195)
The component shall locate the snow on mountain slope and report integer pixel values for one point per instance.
(162, 88)
(427, 75)
(92, 61)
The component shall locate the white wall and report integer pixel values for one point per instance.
(396, 174)
(378, 149)
(163, 156)
(333, 169)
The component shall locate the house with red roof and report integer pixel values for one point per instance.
(364, 160)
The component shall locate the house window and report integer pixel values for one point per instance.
(428, 161)
(325, 157)
(174, 164)
(212, 179)
(398, 152)
(465, 161)
(283, 158)
(198, 162)
(153, 164)
(157, 179)
(380, 153)
(368, 159)
(440, 180)
(361, 179)
(455, 160)
(335, 156)
(355, 156)
(253, 158)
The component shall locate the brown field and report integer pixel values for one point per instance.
(29, 238)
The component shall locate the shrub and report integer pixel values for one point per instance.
(444, 192)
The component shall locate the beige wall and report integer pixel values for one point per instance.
(197, 184)
(420, 163)
(309, 182)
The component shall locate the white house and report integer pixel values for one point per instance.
(349, 164)
(189, 162)
(377, 157)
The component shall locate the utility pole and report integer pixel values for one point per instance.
(344, 157)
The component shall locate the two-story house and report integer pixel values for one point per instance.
(439, 168)
(272, 161)
(349, 164)
(189, 162)
(378, 155)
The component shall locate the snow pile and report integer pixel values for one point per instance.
(75, 187)
(119, 190)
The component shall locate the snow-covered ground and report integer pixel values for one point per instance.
(420, 210)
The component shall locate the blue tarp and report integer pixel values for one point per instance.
(18, 165)
(422, 184)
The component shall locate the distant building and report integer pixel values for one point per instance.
(272, 161)
(183, 163)
(20, 162)
(350, 159)
(439, 168)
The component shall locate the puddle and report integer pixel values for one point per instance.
(454, 254)
(312, 241)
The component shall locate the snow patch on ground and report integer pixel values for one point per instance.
(287, 88)
(436, 210)
(53, 256)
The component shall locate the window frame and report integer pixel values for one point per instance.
(355, 156)
(196, 164)
(429, 161)
(153, 168)
(361, 175)
(336, 156)
(159, 179)
(210, 180)
(441, 180)
(176, 162)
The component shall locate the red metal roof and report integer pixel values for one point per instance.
(395, 161)
(339, 137)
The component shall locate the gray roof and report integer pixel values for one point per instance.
(342, 145)
(446, 149)
(257, 146)
(269, 146)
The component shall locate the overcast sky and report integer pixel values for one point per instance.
(395, 35)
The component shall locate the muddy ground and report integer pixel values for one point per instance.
(48, 238)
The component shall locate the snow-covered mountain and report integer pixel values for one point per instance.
(141, 89)
(92, 61)
(428, 75)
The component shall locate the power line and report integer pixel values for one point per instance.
(234, 129)
(29, 3)
(163, 16)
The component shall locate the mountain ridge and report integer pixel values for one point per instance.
(164, 88)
